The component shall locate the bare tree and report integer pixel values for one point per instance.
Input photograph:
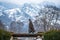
(16, 27)
(48, 17)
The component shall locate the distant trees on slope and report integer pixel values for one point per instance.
(2, 26)
(48, 18)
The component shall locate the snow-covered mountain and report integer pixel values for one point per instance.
(21, 13)
(25, 12)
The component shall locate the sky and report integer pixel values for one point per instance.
(29, 1)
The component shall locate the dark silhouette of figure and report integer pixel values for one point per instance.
(31, 28)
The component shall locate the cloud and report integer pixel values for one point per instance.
(22, 1)
(29, 1)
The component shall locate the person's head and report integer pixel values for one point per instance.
(29, 19)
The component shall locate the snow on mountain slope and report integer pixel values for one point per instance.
(27, 11)
(23, 13)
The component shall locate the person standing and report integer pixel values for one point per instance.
(31, 27)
